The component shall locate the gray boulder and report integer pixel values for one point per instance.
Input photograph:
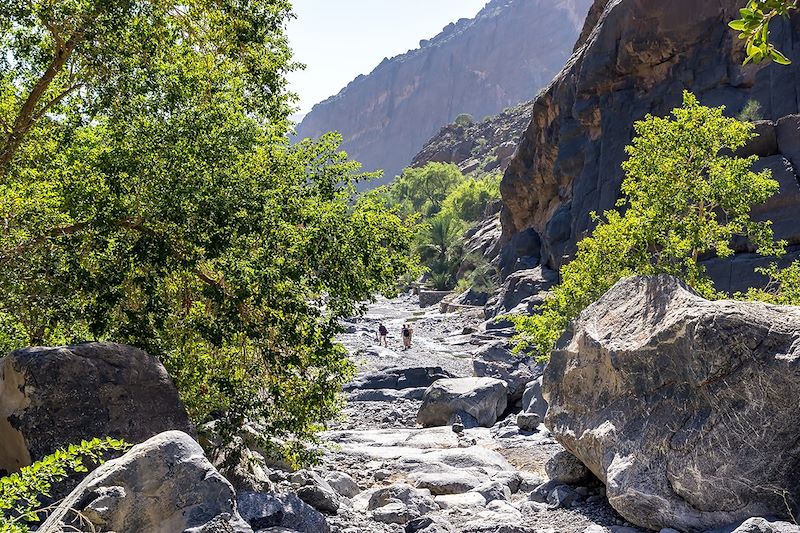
(394, 513)
(343, 484)
(399, 378)
(563, 467)
(264, 510)
(494, 490)
(315, 491)
(477, 401)
(533, 401)
(163, 485)
(53, 397)
(528, 421)
(679, 404)
(496, 360)
(418, 502)
(762, 525)
(429, 524)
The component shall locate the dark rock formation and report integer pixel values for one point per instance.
(53, 397)
(636, 57)
(481, 147)
(399, 378)
(480, 66)
(265, 510)
(682, 406)
(496, 360)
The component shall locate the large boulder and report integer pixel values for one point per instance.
(681, 405)
(52, 397)
(265, 510)
(477, 401)
(315, 491)
(163, 485)
(496, 360)
(533, 401)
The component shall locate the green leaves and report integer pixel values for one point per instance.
(162, 205)
(754, 29)
(21, 493)
(683, 199)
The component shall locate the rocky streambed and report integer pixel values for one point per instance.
(678, 404)
(388, 474)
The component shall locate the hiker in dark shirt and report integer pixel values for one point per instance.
(407, 332)
(382, 332)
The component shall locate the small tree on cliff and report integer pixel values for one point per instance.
(684, 197)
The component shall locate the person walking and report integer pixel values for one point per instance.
(382, 333)
(407, 332)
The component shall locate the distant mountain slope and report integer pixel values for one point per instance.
(481, 147)
(480, 66)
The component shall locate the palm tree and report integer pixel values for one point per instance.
(441, 248)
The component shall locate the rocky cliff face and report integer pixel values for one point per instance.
(480, 66)
(481, 147)
(636, 57)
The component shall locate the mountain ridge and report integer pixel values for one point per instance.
(477, 66)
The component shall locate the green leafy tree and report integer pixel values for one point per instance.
(158, 203)
(469, 198)
(22, 493)
(783, 287)
(754, 28)
(684, 197)
(422, 190)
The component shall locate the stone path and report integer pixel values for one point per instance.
(432, 480)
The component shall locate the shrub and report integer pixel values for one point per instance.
(21, 494)
(464, 120)
(683, 198)
(751, 112)
(468, 200)
(783, 287)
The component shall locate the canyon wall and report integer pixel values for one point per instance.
(480, 66)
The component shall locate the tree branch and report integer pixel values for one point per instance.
(136, 225)
(27, 114)
(63, 94)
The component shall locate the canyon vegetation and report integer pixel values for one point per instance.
(540, 274)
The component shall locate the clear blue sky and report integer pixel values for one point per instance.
(340, 39)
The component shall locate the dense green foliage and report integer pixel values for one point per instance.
(21, 493)
(684, 197)
(754, 28)
(467, 201)
(423, 190)
(149, 195)
(783, 287)
(447, 202)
